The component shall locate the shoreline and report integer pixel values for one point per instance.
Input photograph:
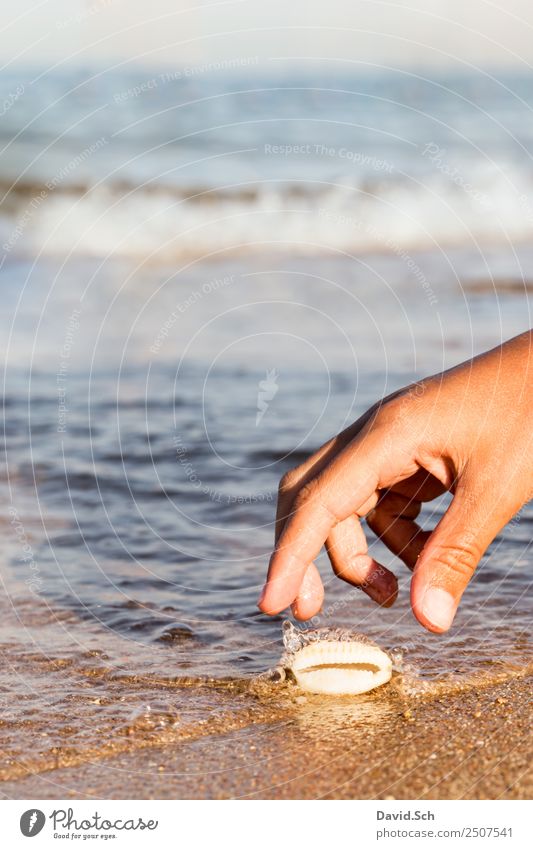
(472, 744)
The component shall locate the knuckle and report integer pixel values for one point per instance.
(379, 411)
(289, 480)
(388, 414)
(460, 560)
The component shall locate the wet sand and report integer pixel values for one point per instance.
(466, 741)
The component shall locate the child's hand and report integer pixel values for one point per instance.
(467, 430)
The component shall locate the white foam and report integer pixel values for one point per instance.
(392, 215)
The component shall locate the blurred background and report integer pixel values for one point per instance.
(226, 229)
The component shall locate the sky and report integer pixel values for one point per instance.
(459, 33)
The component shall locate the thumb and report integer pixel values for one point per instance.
(451, 554)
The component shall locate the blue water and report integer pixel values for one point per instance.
(173, 262)
(142, 163)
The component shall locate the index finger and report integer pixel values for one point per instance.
(335, 493)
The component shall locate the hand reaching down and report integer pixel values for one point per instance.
(467, 430)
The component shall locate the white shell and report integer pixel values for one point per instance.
(346, 668)
(334, 661)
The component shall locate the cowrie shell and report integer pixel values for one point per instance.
(334, 662)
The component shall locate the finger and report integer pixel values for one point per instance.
(327, 452)
(452, 552)
(310, 596)
(422, 486)
(366, 573)
(393, 522)
(348, 552)
(346, 483)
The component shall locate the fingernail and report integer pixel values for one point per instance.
(380, 586)
(378, 591)
(439, 607)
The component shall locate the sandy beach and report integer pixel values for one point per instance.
(472, 742)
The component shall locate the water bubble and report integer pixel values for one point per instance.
(292, 639)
